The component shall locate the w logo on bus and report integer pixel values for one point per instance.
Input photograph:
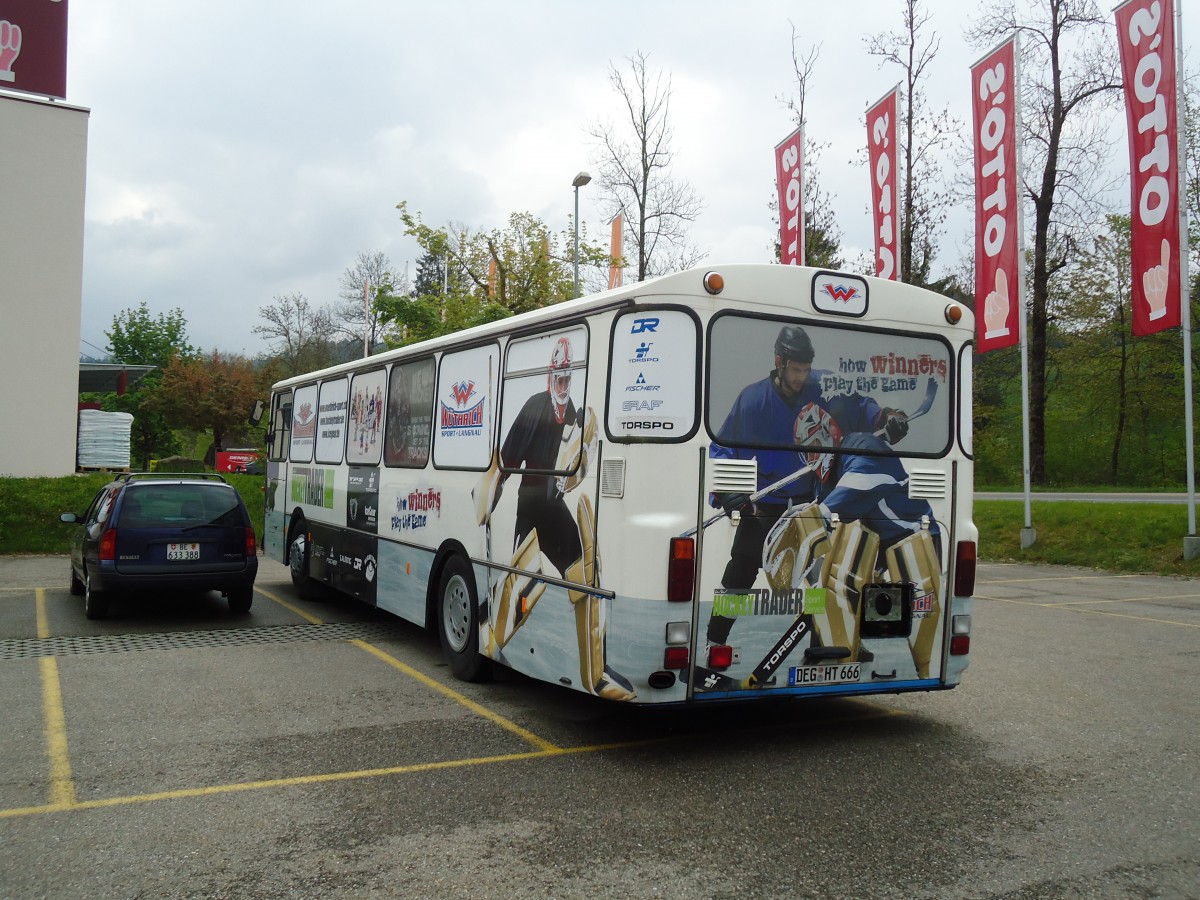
(462, 392)
(840, 292)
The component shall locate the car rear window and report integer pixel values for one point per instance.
(180, 506)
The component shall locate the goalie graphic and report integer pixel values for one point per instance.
(862, 529)
(550, 435)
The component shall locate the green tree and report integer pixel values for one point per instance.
(138, 339)
(212, 392)
(491, 274)
(1069, 72)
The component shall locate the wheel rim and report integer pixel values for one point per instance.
(456, 613)
(296, 559)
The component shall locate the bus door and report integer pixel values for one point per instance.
(822, 566)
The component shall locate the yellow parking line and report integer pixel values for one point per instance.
(1070, 607)
(291, 607)
(62, 785)
(323, 778)
(39, 605)
(470, 704)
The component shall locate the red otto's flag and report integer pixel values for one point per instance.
(997, 208)
(789, 163)
(1146, 35)
(614, 266)
(885, 185)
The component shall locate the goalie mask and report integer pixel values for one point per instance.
(816, 428)
(558, 378)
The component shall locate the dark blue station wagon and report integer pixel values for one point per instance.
(162, 532)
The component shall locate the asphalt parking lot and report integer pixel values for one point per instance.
(324, 749)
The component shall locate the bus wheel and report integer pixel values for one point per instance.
(458, 622)
(306, 588)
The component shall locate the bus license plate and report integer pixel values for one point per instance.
(182, 552)
(799, 676)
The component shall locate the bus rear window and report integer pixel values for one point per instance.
(782, 384)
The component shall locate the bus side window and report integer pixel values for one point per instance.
(409, 414)
(281, 426)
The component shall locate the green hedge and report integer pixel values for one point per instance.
(30, 507)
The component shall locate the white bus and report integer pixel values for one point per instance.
(725, 483)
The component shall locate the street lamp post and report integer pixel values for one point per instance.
(580, 180)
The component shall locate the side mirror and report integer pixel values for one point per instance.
(256, 411)
(69, 518)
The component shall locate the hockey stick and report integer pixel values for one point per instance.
(755, 497)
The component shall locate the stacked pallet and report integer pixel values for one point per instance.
(103, 439)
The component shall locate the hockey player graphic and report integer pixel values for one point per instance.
(862, 528)
(761, 426)
(551, 435)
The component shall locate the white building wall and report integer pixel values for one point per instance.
(43, 163)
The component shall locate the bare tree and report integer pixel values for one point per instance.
(301, 335)
(1068, 74)
(923, 135)
(822, 236)
(634, 173)
(355, 316)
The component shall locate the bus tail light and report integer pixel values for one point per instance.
(964, 569)
(960, 635)
(720, 656)
(108, 545)
(681, 570)
(251, 543)
(676, 658)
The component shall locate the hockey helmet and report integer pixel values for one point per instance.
(558, 378)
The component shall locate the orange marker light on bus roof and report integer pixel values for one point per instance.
(953, 313)
(714, 282)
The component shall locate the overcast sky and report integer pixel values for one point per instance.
(245, 149)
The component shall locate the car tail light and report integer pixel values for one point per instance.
(251, 543)
(720, 656)
(960, 635)
(108, 545)
(964, 569)
(676, 658)
(681, 570)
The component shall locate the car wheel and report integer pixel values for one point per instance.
(306, 588)
(95, 603)
(76, 584)
(240, 599)
(458, 622)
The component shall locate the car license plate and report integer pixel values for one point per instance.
(182, 552)
(799, 676)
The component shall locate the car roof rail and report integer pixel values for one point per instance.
(209, 476)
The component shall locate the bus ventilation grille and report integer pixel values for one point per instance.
(927, 483)
(612, 478)
(734, 476)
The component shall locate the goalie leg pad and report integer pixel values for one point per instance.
(915, 560)
(794, 541)
(518, 593)
(848, 567)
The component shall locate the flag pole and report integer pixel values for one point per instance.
(1191, 543)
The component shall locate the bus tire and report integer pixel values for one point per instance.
(298, 562)
(458, 622)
